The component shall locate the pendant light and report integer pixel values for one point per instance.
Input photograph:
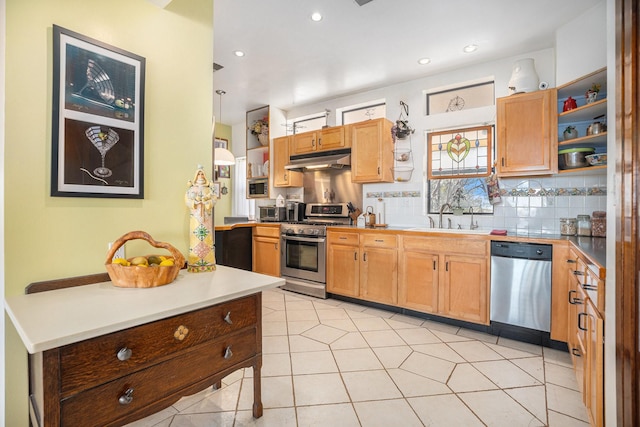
(222, 156)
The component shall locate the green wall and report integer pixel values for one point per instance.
(52, 237)
(223, 206)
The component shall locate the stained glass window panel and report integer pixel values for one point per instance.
(460, 153)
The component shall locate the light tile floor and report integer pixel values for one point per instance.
(334, 363)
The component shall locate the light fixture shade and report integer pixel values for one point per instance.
(223, 157)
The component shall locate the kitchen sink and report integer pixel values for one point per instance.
(449, 230)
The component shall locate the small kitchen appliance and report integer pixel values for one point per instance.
(272, 214)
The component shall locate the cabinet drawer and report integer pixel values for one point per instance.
(342, 238)
(266, 231)
(95, 361)
(100, 405)
(379, 240)
(463, 246)
(594, 287)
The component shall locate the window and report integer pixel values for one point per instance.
(468, 193)
(309, 124)
(241, 205)
(361, 112)
(460, 153)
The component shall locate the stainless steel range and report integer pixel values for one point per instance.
(303, 243)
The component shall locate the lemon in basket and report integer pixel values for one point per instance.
(121, 261)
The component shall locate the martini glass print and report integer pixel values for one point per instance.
(100, 82)
(103, 141)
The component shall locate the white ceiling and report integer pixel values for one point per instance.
(292, 61)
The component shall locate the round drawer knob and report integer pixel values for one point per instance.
(181, 333)
(127, 397)
(124, 354)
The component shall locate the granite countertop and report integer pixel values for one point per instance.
(51, 319)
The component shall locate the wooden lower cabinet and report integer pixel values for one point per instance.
(585, 330)
(266, 250)
(120, 377)
(378, 271)
(343, 264)
(445, 276)
(362, 265)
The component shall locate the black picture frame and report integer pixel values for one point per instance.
(97, 119)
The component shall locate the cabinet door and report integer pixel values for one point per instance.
(283, 177)
(527, 141)
(464, 293)
(331, 138)
(266, 255)
(378, 274)
(559, 291)
(304, 143)
(418, 280)
(372, 151)
(343, 270)
(594, 375)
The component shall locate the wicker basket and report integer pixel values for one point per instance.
(142, 277)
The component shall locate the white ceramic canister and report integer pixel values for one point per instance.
(524, 77)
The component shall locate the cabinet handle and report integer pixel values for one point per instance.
(313, 143)
(378, 170)
(502, 161)
(342, 238)
(580, 317)
(571, 261)
(576, 352)
(379, 240)
(434, 265)
(227, 318)
(574, 301)
(588, 287)
(124, 354)
(320, 141)
(285, 176)
(228, 354)
(446, 266)
(127, 397)
(276, 245)
(364, 257)
(355, 256)
(578, 273)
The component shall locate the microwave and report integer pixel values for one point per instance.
(259, 188)
(272, 214)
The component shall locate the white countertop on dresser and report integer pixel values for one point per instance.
(51, 319)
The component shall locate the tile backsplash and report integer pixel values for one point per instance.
(533, 205)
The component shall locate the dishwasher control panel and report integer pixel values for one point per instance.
(521, 250)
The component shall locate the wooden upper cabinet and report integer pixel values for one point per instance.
(527, 141)
(281, 176)
(371, 151)
(332, 138)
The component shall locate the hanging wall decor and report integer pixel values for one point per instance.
(98, 119)
(460, 153)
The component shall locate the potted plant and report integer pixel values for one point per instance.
(592, 93)
(458, 197)
(570, 133)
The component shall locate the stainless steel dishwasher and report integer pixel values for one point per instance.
(521, 284)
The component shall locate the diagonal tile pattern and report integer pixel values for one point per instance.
(334, 363)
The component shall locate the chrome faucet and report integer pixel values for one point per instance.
(472, 226)
(432, 223)
(442, 208)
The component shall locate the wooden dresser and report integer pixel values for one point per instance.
(131, 372)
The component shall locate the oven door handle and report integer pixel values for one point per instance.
(304, 239)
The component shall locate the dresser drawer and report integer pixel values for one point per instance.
(95, 361)
(101, 405)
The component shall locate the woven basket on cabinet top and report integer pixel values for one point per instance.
(142, 277)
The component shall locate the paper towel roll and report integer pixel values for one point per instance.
(380, 216)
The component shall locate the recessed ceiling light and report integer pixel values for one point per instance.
(424, 61)
(470, 48)
(315, 16)
(238, 53)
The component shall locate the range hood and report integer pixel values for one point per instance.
(326, 159)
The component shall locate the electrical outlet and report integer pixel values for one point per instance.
(119, 253)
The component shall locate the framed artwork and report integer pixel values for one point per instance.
(223, 171)
(461, 98)
(98, 119)
(216, 189)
